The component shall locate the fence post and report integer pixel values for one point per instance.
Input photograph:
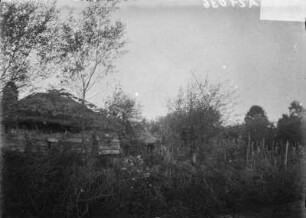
(252, 154)
(263, 148)
(248, 149)
(286, 154)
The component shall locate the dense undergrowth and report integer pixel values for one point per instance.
(69, 184)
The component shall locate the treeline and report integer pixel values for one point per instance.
(197, 121)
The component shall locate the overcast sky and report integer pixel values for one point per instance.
(168, 39)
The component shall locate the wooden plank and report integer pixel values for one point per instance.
(105, 152)
(52, 140)
(104, 148)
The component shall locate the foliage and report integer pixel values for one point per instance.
(88, 44)
(41, 183)
(66, 183)
(233, 132)
(256, 123)
(69, 184)
(122, 106)
(196, 114)
(86, 47)
(26, 30)
(290, 126)
(127, 113)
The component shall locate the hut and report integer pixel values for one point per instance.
(53, 111)
(56, 116)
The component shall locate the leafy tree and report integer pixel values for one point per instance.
(123, 106)
(257, 123)
(127, 114)
(296, 109)
(271, 135)
(88, 45)
(26, 30)
(289, 127)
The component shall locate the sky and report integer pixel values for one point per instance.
(169, 39)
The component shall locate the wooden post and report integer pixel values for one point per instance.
(194, 158)
(248, 148)
(95, 142)
(273, 152)
(263, 148)
(252, 149)
(286, 155)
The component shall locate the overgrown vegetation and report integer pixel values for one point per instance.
(199, 166)
(70, 184)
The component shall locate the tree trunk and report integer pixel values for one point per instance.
(83, 122)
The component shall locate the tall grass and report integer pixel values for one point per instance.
(69, 184)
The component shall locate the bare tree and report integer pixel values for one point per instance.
(198, 112)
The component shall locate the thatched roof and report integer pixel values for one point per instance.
(53, 107)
